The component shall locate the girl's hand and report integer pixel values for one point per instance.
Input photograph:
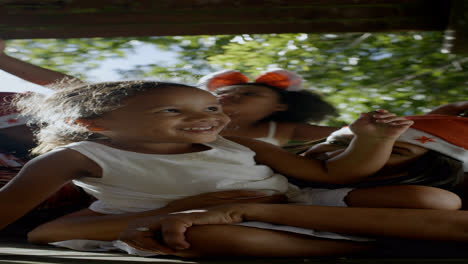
(166, 234)
(223, 197)
(380, 124)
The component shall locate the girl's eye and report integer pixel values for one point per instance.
(213, 109)
(172, 110)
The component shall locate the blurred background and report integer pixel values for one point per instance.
(404, 72)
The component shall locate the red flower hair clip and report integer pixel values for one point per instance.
(279, 78)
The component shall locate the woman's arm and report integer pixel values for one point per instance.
(87, 224)
(37, 180)
(27, 71)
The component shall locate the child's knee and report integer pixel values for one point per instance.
(404, 196)
(435, 198)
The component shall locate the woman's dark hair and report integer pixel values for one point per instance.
(431, 169)
(303, 106)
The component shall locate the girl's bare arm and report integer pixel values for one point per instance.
(39, 179)
(341, 169)
(87, 224)
(369, 150)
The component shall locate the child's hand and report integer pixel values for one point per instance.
(165, 234)
(381, 124)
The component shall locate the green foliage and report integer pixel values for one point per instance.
(71, 56)
(404, 72)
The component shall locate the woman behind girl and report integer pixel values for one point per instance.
(273, 108)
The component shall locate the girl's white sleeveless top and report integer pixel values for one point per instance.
(134, 182)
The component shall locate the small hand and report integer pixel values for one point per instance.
(380, 123)
(143, 233)
(223, 197)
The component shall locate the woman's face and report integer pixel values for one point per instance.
(249, 102)
(402, 152)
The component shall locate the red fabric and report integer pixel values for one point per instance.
(274, 79)
(226, 79)
(443, 126)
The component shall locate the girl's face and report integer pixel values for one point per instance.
(249, 102)
(402, 152)
(174, 114)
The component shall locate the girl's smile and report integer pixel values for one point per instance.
(199, 129)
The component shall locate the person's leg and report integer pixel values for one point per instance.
(241, 241)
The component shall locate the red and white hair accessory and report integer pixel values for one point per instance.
(279, 78)
(9, 116)
(441, 133)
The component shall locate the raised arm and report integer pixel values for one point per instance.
(368, 152)
(27, 71)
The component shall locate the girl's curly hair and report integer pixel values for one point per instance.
(54, 115)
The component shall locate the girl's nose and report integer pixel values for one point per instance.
(202, 116)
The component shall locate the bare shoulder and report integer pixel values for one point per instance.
(66, 161)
